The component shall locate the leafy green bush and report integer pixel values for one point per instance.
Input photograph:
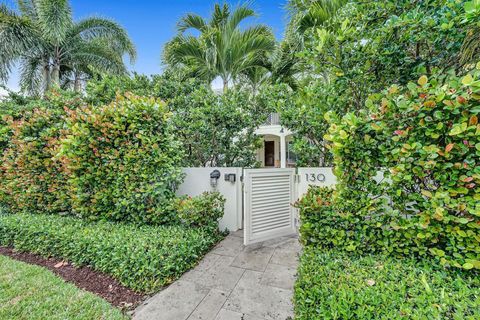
(204, 210)
(318, 217)
(117, 162)
(122, 161)
(144, 258)
(331, 285)
(166, 86)
(217, 130)
(16, 107)
(425, 140)
(31, 180)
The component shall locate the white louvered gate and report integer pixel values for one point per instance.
(268, 195)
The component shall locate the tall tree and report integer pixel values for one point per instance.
(52, 49)
(307, 14)
(222, 48)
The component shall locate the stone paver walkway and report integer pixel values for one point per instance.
(232, 282)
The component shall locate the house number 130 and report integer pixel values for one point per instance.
(312, 177)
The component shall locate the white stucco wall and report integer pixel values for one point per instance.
(197, 181)
(314, 176)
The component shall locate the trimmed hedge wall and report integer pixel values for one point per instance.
(122, 161)
(332, 285)
(118, 162)
(30, 178)
(144, 258)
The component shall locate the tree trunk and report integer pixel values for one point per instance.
(77, 85)
(56, 74)
(225, 84)
(56, 69)
(46, 78)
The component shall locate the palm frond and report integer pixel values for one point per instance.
(239, 14)
(28, 8)
(220, 15)
(98, 57)
(314, 14)
(221, 49)
(191, 21)
(92, 28)
(17, 35)
(54, 19)
(32, 75)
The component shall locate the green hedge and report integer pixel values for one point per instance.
(122, 161)
(116, 162)
(30, 178)
(332, 285)
(425, 139)
(144, 258)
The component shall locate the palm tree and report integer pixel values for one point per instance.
(307, 14)
(222, 49)
(52, 49)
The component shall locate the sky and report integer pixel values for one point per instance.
(151, 23)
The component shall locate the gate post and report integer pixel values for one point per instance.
(283, 152)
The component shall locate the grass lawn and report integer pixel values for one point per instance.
(333, 285)
(32, 292)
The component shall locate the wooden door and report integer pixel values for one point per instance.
(269, 153)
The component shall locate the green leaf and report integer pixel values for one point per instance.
(467, 80)
(458, 129)
(467, 266)
(423, 80)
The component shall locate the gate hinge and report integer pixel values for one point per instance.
(297, 178)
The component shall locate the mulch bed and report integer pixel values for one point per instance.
(84, 277)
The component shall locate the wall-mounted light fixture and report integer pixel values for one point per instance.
(214, 176)
(231, 177)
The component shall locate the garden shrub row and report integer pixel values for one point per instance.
(143, 258)
(118, 162)
(332, 285)
(425, 138)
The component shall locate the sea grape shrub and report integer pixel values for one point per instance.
(425, 139)
(201, 211)
(122, 161)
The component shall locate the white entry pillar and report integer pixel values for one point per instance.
(283, 152)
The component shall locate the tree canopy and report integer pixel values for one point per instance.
(52, 49)
(222, 49)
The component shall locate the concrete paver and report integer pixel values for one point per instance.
(232, 282)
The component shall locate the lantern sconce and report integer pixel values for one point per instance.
(230, 177)
(214, 176)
